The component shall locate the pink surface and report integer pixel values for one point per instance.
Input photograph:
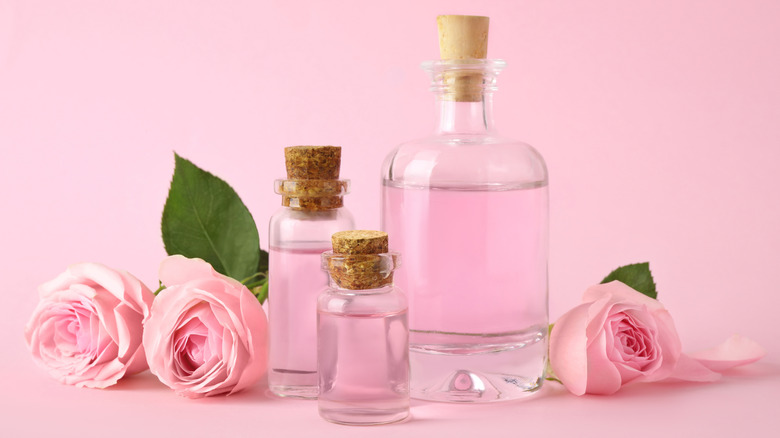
(658, 120)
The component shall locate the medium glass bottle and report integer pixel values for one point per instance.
(363, 345)
(312, 199)
(469, 211)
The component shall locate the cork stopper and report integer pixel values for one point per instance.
(360, 242)
(360, 260)
(312, 162)
(312, 178)
(463, 37)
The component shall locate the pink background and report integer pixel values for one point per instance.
(660, 123)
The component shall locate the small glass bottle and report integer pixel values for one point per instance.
(468, 210)
(312, 199)
(363, 337)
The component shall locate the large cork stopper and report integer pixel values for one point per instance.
(463, 37)
(312, 178)
(360, 260)
(312, 162)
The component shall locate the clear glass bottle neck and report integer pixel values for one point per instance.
(335, 288)
(464, 94)
(464, 118)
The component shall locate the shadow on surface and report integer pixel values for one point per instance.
(148, 382)
(548, 390)
(752, 374)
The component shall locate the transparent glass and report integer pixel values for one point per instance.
(363, 352)
(297, 240)
(468, 209)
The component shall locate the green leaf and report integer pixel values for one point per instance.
(636, 276)
(204, 218)
(261, 291)
(255, 279)
(262, 265)
(549, 374)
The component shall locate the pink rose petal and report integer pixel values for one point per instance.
(692, 370)
(735, 351)
(603, 376)
(178, 269)
(620, 293)
(568, 348)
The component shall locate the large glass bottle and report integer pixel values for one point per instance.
(469, 211)
(299, 232)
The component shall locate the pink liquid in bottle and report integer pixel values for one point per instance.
(364, 367)
(292, 368)
(476, 277)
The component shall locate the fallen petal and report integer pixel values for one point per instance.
(735, 351)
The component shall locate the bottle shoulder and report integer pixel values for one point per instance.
(453, 160)
(292, 214)
(289, 225)
(376, 302)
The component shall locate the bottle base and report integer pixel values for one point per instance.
(470, 387)
(454, 368)
(293, 383)
(362, 416)
(302, 392)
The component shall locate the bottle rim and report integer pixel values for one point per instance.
(438, 65)
(465, 80)
(360, 271)
(311, 188)
(389, 261)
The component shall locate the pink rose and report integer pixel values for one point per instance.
(207, 333)
(618, 336)
(87, 328)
